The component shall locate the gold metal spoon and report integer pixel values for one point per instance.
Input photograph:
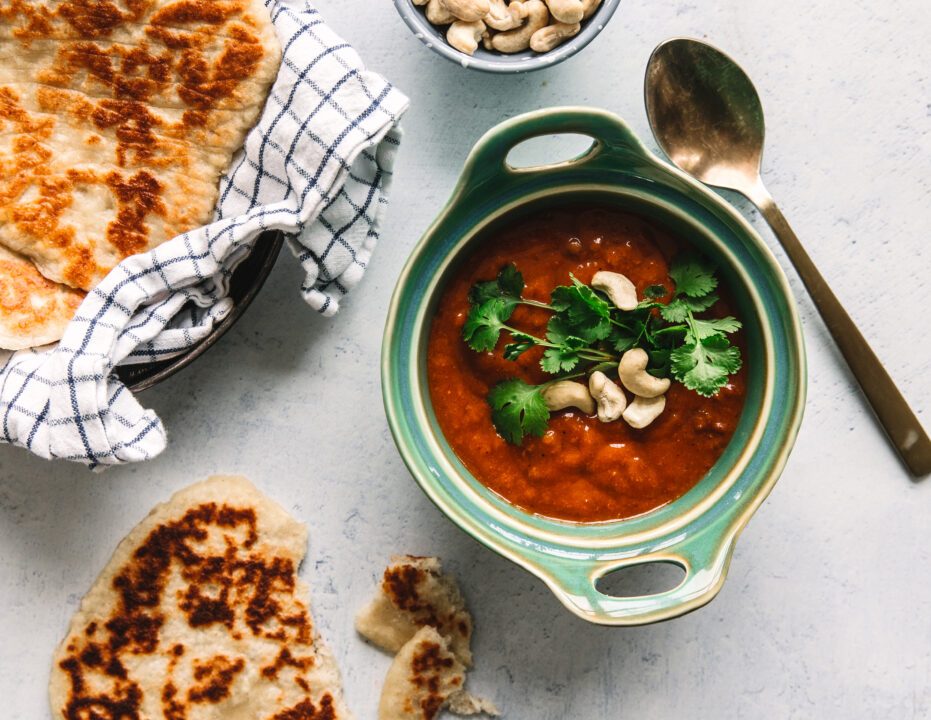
(707, 117)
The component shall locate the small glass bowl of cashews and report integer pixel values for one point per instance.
(506, 36)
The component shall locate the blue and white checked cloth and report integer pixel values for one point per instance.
(317, 166)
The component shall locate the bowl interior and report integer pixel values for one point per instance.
(680, 225)
(434, 38)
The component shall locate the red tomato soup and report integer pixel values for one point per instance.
(581, 469)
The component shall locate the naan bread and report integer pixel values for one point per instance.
(117, 118)
(200, 615)
(415, 593)
(425, 677)
(419, 613)
(33, 310)
(421, 679)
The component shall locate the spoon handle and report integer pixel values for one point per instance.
(896, 417)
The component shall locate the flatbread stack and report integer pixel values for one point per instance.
(117, 119)
(200, 615)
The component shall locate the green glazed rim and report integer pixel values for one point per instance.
(696, 532)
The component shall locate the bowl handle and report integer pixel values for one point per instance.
(704, 559)
(488, 159)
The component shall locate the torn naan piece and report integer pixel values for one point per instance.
(33, 310)
(426, 677)
(117, 119)
(200, 615)
(415, 593)
(423, 676)
(418, 612)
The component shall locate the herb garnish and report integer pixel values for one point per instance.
(587, 333)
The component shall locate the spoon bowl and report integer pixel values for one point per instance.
(694, 90)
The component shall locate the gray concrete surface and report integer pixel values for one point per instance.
(827, 611)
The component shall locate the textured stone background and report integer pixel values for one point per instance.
(827, 611)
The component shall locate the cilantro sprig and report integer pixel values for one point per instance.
(586, 333)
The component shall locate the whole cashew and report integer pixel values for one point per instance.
(517, 40)
(437, 14)
(467, 10)
(620, 291)
(566, 393)
(567, 11)
(642, 411)
(419, 2)
(610, 398)
(633, 373)
(503, 17)
(547, 38)
(464, 36)
(589, 8)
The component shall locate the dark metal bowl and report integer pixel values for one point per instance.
(247, 280)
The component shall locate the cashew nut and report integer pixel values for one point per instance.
(437, 14)
(464, 36)
(547, 38)
(420, 2)
(567, 11)
(620, 291)
(567, 393)
(503, 17)
(467, 10)
(589, 7)
(633, 373)
(642, 411)
(519, 7)
(517, 40)
(610, 398)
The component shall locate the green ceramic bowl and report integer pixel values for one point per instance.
(697, 531)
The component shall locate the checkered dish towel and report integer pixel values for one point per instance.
(317, 167)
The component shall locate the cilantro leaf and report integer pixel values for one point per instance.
(511, 281)
(675, 312)
(485, 322)
(659, 362)
(561, 359)
(508, 284)
(623, 340)
(579, 300)
(700, 304)
(693, 277)
(715, 326)
(704, 366)
(583, 311)
(565, 357)
(557, 330)
(518, 409)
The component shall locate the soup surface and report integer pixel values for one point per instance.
(581, 469)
